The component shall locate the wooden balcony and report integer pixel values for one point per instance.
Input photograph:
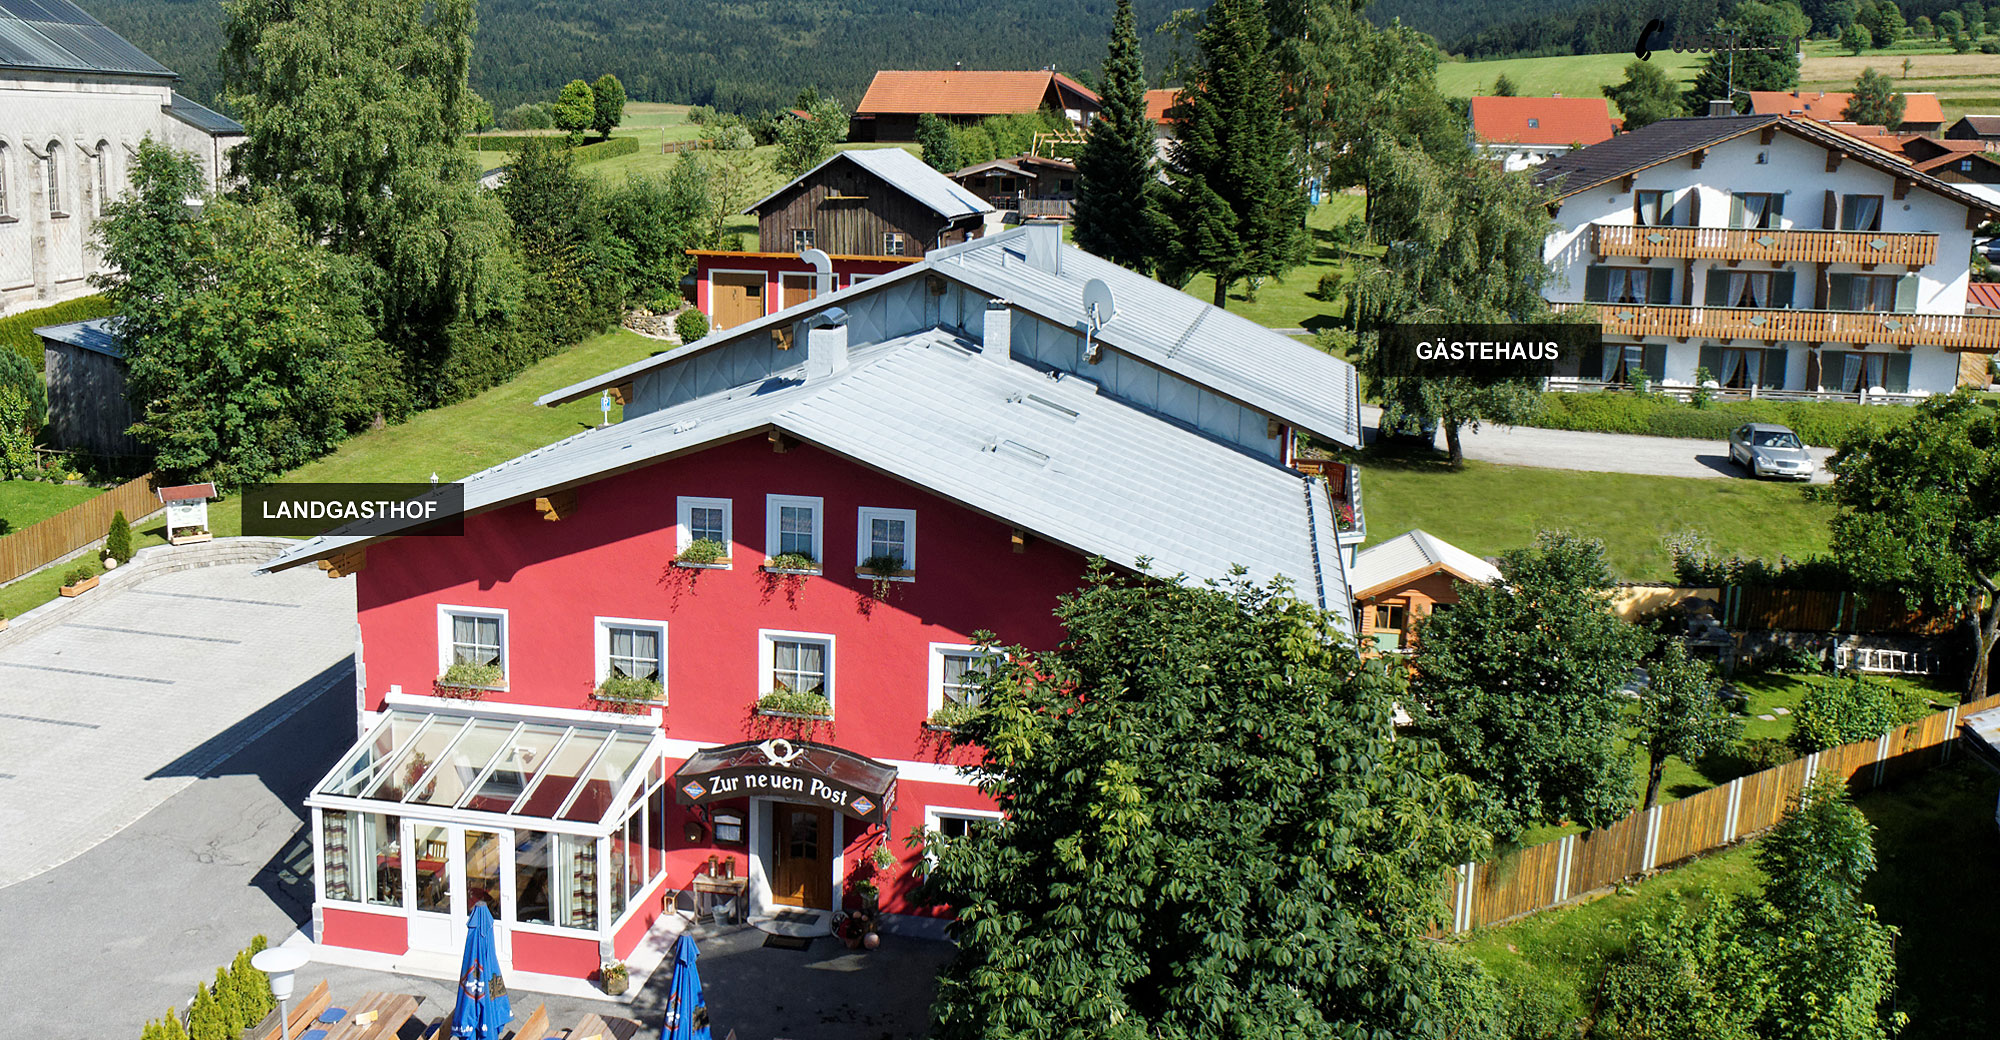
(1867, 248)
(1950, 331)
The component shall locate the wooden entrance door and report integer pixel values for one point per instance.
(802, 856)
(735, 298)
(798, 288)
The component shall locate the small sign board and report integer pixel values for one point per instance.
(187, 510)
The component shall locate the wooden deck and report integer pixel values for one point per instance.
(1978, 333)
(1867, 248)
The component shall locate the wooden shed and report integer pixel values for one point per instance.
(869, 202)
(85, 366)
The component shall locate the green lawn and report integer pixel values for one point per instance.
(452, 441)
(1935, 845)
(1487, 508)
(1293, 301)
(24, 502)
(1571, 75)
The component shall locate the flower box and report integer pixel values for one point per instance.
(903, 575)
(3, 624)
(189, 539)
(810, 571)
(801, 716)
(719, 565)
(463, 691)
(81, 587)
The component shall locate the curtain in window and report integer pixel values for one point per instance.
(1616, 284)
(1850, 372)
(1753, 366)
(1862, 212)
(1753, 209)
(475, 640)
(1732, 363)
(576, 869)
(1651, 206)
(1877, 370)
(340, 854)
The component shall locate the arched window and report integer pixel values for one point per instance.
(103, 178)
(53, 163)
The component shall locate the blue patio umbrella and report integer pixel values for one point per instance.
(687, 1013)
(482, 1011)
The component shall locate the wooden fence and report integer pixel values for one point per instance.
(38, 545)
(1545, 875)
(1810, 610)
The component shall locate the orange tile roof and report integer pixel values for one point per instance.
(1879, 136)
(962, 93)
(1826, 106)
(1983, 294)
(1158, 101)
(1542, 120)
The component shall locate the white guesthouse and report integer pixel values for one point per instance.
(75, 101)
(1783, 256)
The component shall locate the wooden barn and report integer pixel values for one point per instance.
(85, 364)
(897, 97)
(1030, 185)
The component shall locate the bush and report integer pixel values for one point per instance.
(1761, 753)
(732, 138)
(795, 702)
(629, 689)
(461, 674)
(17, 332)
(691, 325)
(701, 114)
(118, 543)
(665, 302)
(527, 117)
(1818, 423)
(78, 574)
(609, 148)
(792, 561)
(1990, 47)
(952, 714)
(703, 550)
(1849, 709)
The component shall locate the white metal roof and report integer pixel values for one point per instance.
(1411, 552)
(908, 174)
(1047, 454)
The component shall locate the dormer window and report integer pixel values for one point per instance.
(1534, 124)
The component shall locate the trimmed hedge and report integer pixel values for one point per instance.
(589, 153)
(1818, 423)
(603, 150)
(17, 331)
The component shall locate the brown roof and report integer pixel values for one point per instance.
(1986, 126)
(1158, 101)
(964, 93)
(1950, 158)
(1542, 120)
(1983, 294)
(1827, 105)
(187, 492)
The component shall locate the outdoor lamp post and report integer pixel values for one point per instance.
(280, 963)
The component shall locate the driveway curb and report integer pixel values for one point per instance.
(150, 562)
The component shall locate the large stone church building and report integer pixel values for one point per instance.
(75, 101)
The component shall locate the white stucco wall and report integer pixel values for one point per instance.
(47, 258)
(1796, 169)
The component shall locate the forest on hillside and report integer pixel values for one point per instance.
(731, 54)
(1479, 29)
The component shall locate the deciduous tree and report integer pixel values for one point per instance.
(939, 143)
(1519, 684)
(607, 97)
(574, 265)
(1755, 25)
(1920, 515)
(1854, 37)
(1874, 102)
(1238, 204)
(576, 109)
(1212, 830)
(1681, 714)
(1883, 20)
(1117, 198)
(1647, 95)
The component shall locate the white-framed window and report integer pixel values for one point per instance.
(792, 525)
(942, 825)
(955, 671)
(699, 518)
(887, 532)
(52, 163)
(892, 243)
(797, 661)
(633, 647)
(471, 635)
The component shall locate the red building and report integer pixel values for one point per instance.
(795, 532)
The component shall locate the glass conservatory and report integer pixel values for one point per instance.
(557, 825)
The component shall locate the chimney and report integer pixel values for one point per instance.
(826, 342)
(1721, 107)
(958, 66)
(1043, 247)
(998, 335)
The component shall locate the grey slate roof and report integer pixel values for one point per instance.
(1669, 139)
(1048, 455)
(57, 36)
(1155, 323)
(908, 174)
(200, 116)
(97, 334)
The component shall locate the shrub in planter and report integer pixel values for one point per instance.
(78, 574)
(952, 714)
(467, 680)
(629, 689)
(703, 550)
(616, 978)
(795, 702)
(691, 325)
(883, 566)
(792, 562)
(118, 542)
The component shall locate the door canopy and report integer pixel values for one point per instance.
(811, 774)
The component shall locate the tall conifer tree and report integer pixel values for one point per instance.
(1238, 204)
(1117, 214)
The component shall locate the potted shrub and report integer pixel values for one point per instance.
(616, 978)
(787, 703)
(469, 681)
(629, 692)
(792, 563)
(79, 580)
(703, 552)
(882, 567)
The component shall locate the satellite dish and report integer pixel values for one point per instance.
(1097, 303)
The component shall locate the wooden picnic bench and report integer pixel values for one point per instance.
(376, 1016)
(303, 1015)
(536, 1027)
(594, 1027)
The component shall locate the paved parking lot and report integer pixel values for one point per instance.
(139, 691)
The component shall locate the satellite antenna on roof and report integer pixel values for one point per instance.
(1098, 308)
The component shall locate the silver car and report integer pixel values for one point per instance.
(1770, 450)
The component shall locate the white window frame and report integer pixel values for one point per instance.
(772, 503)
(602, 644)
(935, 687)
(445, 613)
(767, 640)
(894, 238)
(864, 515)
(935, 813)
(684, 507)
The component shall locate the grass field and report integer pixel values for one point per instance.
(1935, 844)
(1294, 301)
(1487, 508)
(24, 502)
(1571, 75)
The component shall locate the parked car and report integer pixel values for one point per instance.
(1770, 450)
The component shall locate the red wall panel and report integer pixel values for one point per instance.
(359, 930)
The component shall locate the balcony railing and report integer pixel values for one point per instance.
(1950, 331)
(1566, 384)
(1714, 243)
